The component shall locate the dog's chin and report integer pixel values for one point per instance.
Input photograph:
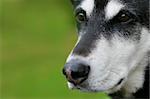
(81, 87)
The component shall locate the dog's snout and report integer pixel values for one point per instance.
(76, 73)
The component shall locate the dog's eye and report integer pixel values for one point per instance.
(81, 16)
(124, 17)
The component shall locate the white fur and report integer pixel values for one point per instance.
(113, 60)
(88, 6)
(109, 60)
(112, 8)
(139, 61)
(135, 80)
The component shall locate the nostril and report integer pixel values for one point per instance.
(64, 72)
(87, 70)
(82, 72)
(76, 75)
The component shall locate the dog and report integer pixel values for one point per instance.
(113, 48)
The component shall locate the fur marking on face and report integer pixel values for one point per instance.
(112, 8)
(88, 6)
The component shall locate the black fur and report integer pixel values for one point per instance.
(75, 2)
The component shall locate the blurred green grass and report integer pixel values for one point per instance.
(37, 36)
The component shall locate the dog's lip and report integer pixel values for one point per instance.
(85, 85)
(76, 86)
(76, 82)
(73, 86)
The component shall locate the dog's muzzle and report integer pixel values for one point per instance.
(76, 72)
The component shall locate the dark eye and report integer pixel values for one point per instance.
(81, 16)
(124, 17)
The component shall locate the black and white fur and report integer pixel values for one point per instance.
(114, 50)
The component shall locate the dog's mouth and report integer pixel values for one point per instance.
(120, 82)
(86, 87)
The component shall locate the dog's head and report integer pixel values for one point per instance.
(113, 38)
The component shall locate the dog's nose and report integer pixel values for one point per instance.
(76, 73)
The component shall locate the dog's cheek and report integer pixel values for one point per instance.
(109, 56)
(143, 46)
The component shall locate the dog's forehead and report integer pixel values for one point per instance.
(113, 5)
(110, 7)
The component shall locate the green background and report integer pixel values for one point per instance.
(36, 38)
